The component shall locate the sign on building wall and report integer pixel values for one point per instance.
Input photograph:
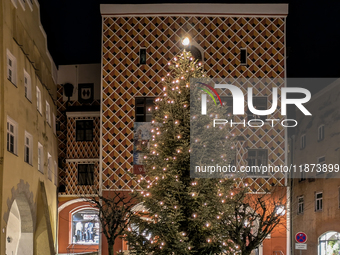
(141, 140)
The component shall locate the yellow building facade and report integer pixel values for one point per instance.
(28, 142)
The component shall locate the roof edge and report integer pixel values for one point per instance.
(193, 9)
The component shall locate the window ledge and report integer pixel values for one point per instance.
(28, 163)
(13, 153)
(29, 100)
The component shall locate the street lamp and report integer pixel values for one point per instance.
(186, 41)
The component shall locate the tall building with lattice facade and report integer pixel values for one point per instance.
(233, 42)
(28, 142)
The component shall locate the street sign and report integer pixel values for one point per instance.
(301, 237)
(300, 246)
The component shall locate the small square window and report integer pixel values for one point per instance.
(28, 153)
(84, 130)
(38, 99)
(85, 174)
(40, 158)
(303, 142)
(11, 68)
(321, 132)
(48, 113)
(12, 135)
(318, 201)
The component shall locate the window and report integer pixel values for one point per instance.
(321, 132)
(54, 124)
(85, 227)
(28, 148)
(28, 86)
(48, 113)
(85, 174)
(84, 130)
(56, 174)
(302, 173)
(143, 109)
(49, 166)
(303, 142)
(142, 56)
(257, 157)
(38, 100)
(243, 57)
(40, 158)
(300, 205)
(259, 103)
(12, 135)
(11, 68)
(318, 201)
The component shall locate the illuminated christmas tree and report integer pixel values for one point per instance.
(182, 214)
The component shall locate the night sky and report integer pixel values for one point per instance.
(73, 30)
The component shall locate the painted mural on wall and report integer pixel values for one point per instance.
(142, 136)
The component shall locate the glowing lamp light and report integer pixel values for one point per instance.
(186, 41)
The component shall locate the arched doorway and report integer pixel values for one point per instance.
(19, 230)
(329, 243)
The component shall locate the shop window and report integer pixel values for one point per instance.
(85, 227)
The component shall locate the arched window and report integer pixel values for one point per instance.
(329, 243)
(85, 227)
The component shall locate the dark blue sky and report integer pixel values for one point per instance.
(73, 30)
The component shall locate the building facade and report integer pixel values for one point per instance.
(79, 131)
(315, 197)
(28, 142)
(234, 42)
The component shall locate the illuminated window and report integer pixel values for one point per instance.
(85, 227)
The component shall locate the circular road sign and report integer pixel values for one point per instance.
(301, 237)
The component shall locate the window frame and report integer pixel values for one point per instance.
(28, 147)
(246, 56)
(28, 86)
(301, 205)
(54, 124)
(39, 106)
(302, 173)
(48, 113)
(256, 150)
(49, 166)
(84, 129)
(146, 108)
(40, 165)
(11, 67)
(303, 141)
(318, 204)
(14, 134)
(321, 133)
(85, 183)
(30, 4)
(56, 174)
